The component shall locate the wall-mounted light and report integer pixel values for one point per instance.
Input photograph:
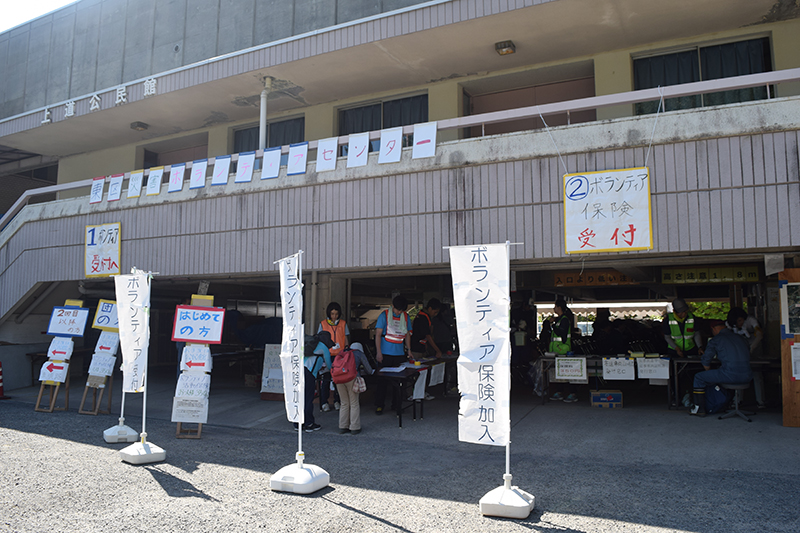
(505, 47)
(139, 126)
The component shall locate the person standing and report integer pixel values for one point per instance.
(313, 364)
(422, 342)
(561, 324)
(748, 327)
(683, 339)
(734, 356)
(339, 334)
(392, 342)
(350, 410)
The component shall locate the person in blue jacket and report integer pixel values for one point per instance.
(313, 364)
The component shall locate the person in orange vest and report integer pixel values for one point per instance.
(393, 331)
(339, 331)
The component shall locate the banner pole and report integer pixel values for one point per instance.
(302, 422)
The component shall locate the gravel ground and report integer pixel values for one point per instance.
(592, 470)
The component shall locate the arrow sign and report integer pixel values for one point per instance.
(61, 347)
(52, 367)
(58, 352)
(192, 363)
(54, 372)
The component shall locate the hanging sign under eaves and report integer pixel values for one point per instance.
(607, 211)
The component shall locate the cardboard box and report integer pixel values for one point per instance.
(606, 398)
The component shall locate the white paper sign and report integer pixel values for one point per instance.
(108, 342)
(193, 385)
(571, 368)
(54, 371)
(298, 155)
(135, 184)
(796, 361)
(115, 187)
(357, 150)
(326, 154)
(618, 368)
(190, 410)
(648, 368)
(96, 193)
(60, 349)
(133, 310)
(196, 357)
(391, 145)
(68, 321)
(102, 364)
(607, 211)
(272, 163)
(222, 167)
(197, 179)
(102, 250)
(154, 181)
(424, 140)
(176, 173)
(293, 337)
(105, 318)
(481, 293)
(244, 167)
(201, 325)
(437, 374)
(419, 386)
(271, 373)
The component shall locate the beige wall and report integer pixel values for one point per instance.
(100, 163)
(786, 52)
(613, 73)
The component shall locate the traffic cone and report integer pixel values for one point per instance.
(2, 394)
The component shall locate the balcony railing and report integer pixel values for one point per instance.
(583, 104)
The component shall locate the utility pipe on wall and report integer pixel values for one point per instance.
(262, 119)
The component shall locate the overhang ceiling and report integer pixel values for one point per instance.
(551, 32)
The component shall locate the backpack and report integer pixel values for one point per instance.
(310, 345)
(344, 367)
(717, 399)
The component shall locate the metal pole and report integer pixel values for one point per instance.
(262, 119)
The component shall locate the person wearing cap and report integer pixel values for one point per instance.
(749, 329)
(350, 408)
(561, 326)
(393, 331)
(339, 332)
(733, 354)
(682, 338)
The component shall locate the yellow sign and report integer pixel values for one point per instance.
(591, 278)
(727, 274)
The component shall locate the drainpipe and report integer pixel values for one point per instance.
(313, 314)
(262, 121)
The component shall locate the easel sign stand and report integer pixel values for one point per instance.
(133, 309)
(101, 371)
(481, 283)
(299, 478)
(65, 322)
(198, 325)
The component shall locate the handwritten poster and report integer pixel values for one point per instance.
(68, 321)
(196, 357)
(481, 294)
(55, 371)
(272, 163)
(102, 364)
(197, 178)
(326, 154)
(190, 410)
(115, 187)
(424, 140)
(618, 368)
(60, 349)
(201, 325)
(357, 150)
(652, 368)
(293, 336)
(154, 181)
(105, 318)
(193, 385)
(176, 173)
(222, 167)
(108, 342)
(298, 155)
(271, 374)
(607, 211)
(102, 250)
(135, 184)
(96, 193)
(244, 167)
(391, 145)
(571, 368)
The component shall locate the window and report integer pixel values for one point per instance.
(278, 134)
(703, 63)
(390, 114)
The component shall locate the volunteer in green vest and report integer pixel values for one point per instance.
(561, 344)
(680, 331)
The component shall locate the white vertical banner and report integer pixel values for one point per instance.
(481, 293)
(293, 337)
(133, 312)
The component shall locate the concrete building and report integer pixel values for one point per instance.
(108, 87)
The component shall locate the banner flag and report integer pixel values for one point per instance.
(133, 312)
(481, 294)
(293, 337)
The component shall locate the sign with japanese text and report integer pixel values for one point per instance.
(571, 368)
(190, 410)
(357, 150)
(68, 321)
(102, 250)
(133, 310)
(607, 211)
(196, 357)
(108, 342)
(272, 163)
(60, 349)
(222, 167)
(271, 374)
(201, 325)
(102, 364)
(135, 184)
(618, 368)
(652, 368)
(197, 178)
(391, 145)
(482, 302)
(326, 154)
(105, 318)
(115, 187)
(705, 274)
(244, 167)
(176, 173)
(193, 385)
(96, 193)
(293, 337)
(424, 140)
(55, 371)
(154, 181)
(591, 278)
(298, 155)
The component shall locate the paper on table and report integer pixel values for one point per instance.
(393, 369)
